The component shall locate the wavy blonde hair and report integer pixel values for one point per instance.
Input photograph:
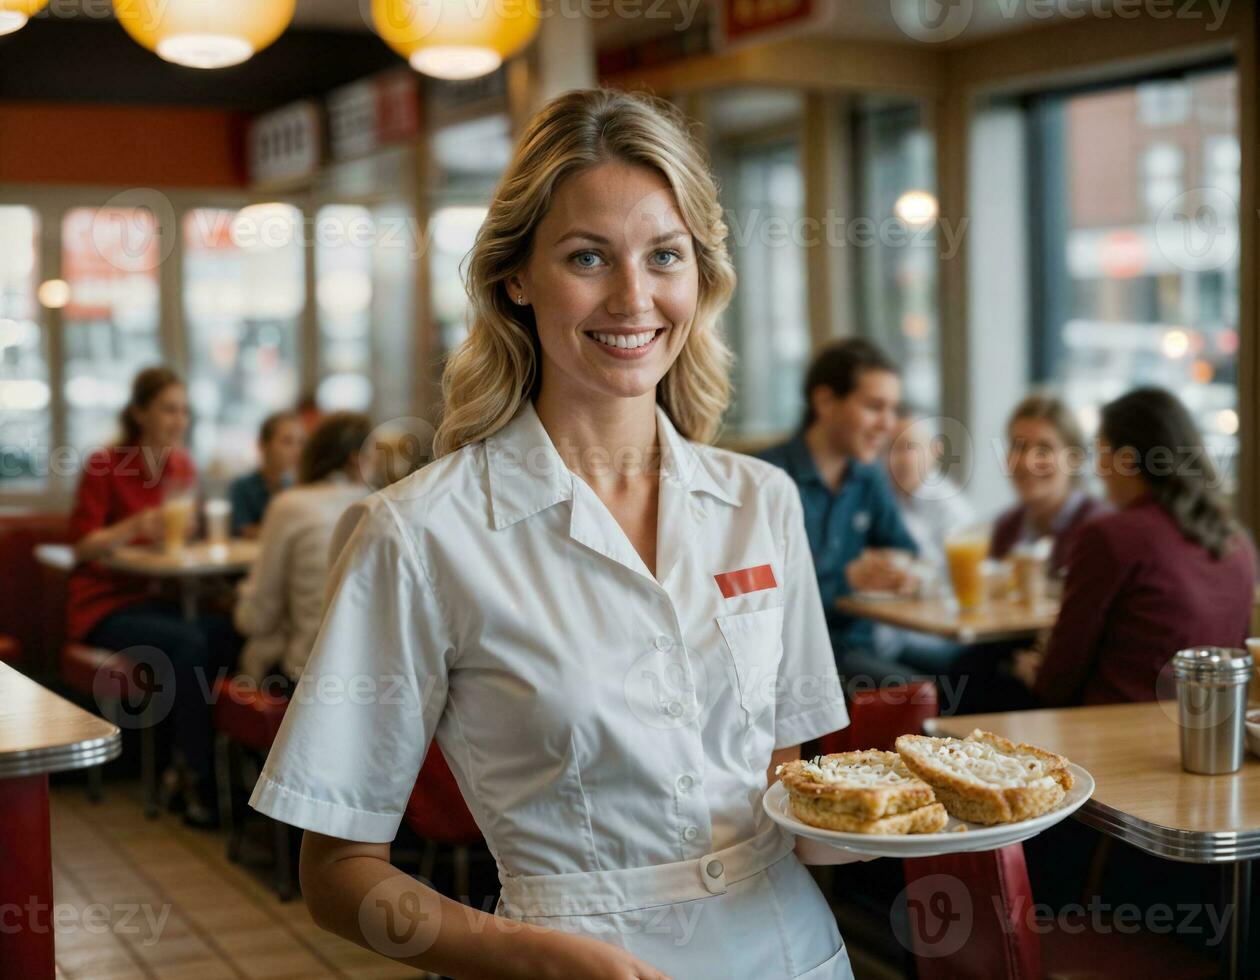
(496, 368)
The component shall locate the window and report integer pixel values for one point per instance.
(110, 259)
(243, 297)
(897, 267)
(344, 239)
(25, 417)
(1138, 259)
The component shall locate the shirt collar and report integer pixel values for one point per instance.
(527, 474)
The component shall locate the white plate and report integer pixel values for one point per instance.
(977, 837)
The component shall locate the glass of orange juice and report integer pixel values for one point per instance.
(965, 554)
(179, 508)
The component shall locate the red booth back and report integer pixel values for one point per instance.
(877, 717)
(436, 810)
(32, 599)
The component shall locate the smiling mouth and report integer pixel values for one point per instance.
(626, 341)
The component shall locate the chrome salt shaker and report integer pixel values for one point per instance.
(1212, 706)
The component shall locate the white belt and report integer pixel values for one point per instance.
(604, 892)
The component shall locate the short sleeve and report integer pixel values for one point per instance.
(811, 701)
(361, 718)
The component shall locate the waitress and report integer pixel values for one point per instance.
(613, 630)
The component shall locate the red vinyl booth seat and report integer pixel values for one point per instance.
(436, 810)
(877, 717)
(248, 714)
(81, 669)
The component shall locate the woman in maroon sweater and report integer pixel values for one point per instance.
(1169, 570)
(1045, 459)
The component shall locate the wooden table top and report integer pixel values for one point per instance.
(197, 559)
(1143, 796)
(998, 619)
(41, 732)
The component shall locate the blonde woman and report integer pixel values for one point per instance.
(612, 630)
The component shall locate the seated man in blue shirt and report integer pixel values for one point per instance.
(855, 530)
(280, 441)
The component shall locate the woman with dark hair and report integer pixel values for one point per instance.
(119, 502)
(1045, 460)
(1171, 569)
(281, 603)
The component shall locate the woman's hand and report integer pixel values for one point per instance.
(146, 523)
(1026, 664)
(561, 955)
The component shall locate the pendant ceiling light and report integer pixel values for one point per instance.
(204, 33)
(15, 13)
(455, 39)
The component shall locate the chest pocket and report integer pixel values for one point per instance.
(754, 641)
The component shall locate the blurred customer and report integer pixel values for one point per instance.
(932, 507)
(119, 501)
(1045, 459)
(281, 603)
(280, 442)
(1171, 569)
(307, 409)
(858, 539)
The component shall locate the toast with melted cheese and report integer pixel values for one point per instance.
(860, 792)
(985, 778)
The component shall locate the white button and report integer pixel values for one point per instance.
(684, 783)
(714, 869)
(691, 833)
(664, 643)
(674, 709)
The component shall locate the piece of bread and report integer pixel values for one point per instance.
(921, 820)
(985, 778)
(864, 786)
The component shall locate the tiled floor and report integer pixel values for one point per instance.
(152, 899)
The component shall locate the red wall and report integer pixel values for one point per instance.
(125, 146)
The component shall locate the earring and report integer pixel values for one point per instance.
(520, 299)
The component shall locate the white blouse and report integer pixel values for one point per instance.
(610, 730)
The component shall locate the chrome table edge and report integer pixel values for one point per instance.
(78, 755)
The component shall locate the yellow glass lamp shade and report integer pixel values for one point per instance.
(455, 39)
(15, 13)
(204, 33)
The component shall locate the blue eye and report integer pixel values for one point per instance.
(672, 254)
(577, 258)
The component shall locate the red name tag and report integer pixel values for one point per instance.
(746, 580)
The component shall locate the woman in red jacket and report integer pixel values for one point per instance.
(1170, 569)
(119, 502)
